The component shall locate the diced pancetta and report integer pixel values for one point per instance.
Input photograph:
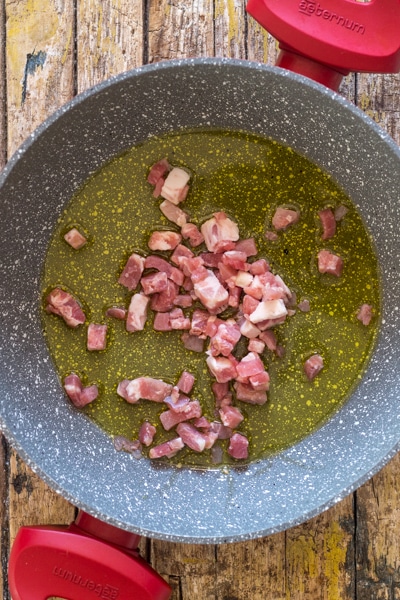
(96, 337)
(238, 446)
(173, 213)
(313, 366)
(147, 432)
(225, 339)
(75, 239)
(178, 404)
(251, 364)
(219, 229)
(365, 314)
(268, 309)
(137, 312)
(134, 447)
(158, 170)
(160, 264)
(170, 418)
(260, 381)
(180, 251)
(304, 305)
(191, 232)
(256, 345)
(63, 304)
(164, 301)
(183, 300)
(192, 342)
(117, 312)
(175, 187)
(191, 437)
(132, 272)
(154, 283)
(235, 259)
(230, 416)
(164, 240)
(178, 320)
(270, 340)
(340, 212)
(246, 393)
(330, 263)
(259, 267)
(284, 217)
(144, 388)
(186, 382)
(167, 449)
(328, 223)
(248, 246)
(211, 293)
(79, 395)
(161, 322)
(222, 368)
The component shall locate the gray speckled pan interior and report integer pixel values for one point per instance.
(62, 445)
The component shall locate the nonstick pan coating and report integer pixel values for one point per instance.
(66, 449)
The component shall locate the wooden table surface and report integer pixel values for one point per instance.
(53, 49)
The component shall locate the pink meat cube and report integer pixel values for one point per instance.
(246, 393)
(217, 230)
(186, 382)
(230, 416)
(365, 314)
(164, 240)
(154, 283)
(330, 263)
(170, 418)
(190, 232)
(175, 187)
(191, 437)
(147, 432)
(96, 337)
(222, 368)
(137, 312)
(284, 217)
(328, 222)
(251, 364)
(158, 170)
(75, 239)
(132, 272)
(313, 366)
(145, 388)
(211, 293)
(63, 304)
(168, 449)
(238, 446)
(117, 312)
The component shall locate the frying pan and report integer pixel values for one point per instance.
(76, 458)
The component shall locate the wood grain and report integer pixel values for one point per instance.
(39, 67)
(109, 39)
(352, 550)
(178, 29)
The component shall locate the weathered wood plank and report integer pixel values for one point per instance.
(254, 569)
(109, 39)
(378, 535)
(39, 51)
(230, 28)
(320, 556)
(179, 29)
(39, 68)
(378, 501)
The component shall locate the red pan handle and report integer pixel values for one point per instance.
(326, 39)
(88, 558)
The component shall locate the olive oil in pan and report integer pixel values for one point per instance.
(246, 176)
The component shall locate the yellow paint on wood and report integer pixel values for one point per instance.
(335, 548)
